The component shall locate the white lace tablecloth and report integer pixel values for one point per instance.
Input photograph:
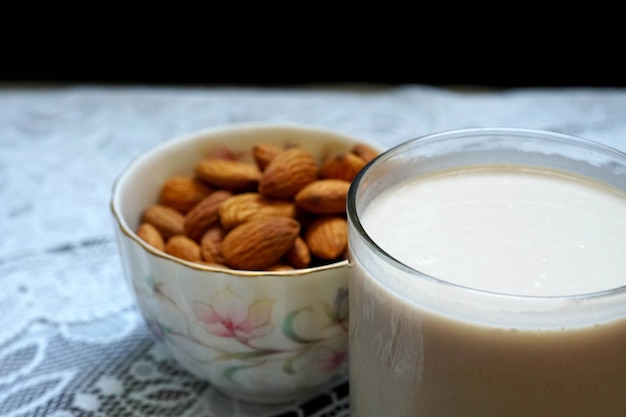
(72, 342)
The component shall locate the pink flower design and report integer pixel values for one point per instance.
(228, 315)
(331, 359)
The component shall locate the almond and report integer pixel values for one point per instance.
(168, 221)
(326, 196)
(287, 173)
(151, 235)
(244, 207)
(341, 165)
(184, 248)
(220, 207)
(327, 237)
(205, 214)
(229, 174)
(263, 153)
(366, 152)
(299, 255)
(258, 244)
(183, 192)
(211, 245)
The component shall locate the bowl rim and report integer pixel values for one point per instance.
(120, 222)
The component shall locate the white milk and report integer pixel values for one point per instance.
(505, 230)
(546, 233)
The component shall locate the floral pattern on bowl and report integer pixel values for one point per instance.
(265, 337)
(233, 339)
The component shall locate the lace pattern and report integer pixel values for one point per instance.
(71, 340)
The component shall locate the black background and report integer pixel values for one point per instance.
(203, 59)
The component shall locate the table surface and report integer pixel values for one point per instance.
(72, 342)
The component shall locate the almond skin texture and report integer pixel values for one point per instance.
(299, 255)
(151, 236)
(244, 207)
(204, 215)
(183, 192)
(259, 244)
(327, 237)
(341, 165)
(211, 245)
(263, 153)
(366, 152)
(287, 173)
(324, 196)
(168, 222)
(236, 176)
(184, 248)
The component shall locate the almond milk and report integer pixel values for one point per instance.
(522, 237)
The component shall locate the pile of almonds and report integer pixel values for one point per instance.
(279, 209)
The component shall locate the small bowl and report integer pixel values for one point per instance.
(264, 337)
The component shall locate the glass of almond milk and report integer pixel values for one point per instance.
(488, 277)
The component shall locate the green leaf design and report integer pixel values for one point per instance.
(229, 373)
(288, 363)
(289, 331)
(149, 280)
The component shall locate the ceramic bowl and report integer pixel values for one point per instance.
(265, 337)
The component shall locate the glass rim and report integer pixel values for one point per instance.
(545, 135)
